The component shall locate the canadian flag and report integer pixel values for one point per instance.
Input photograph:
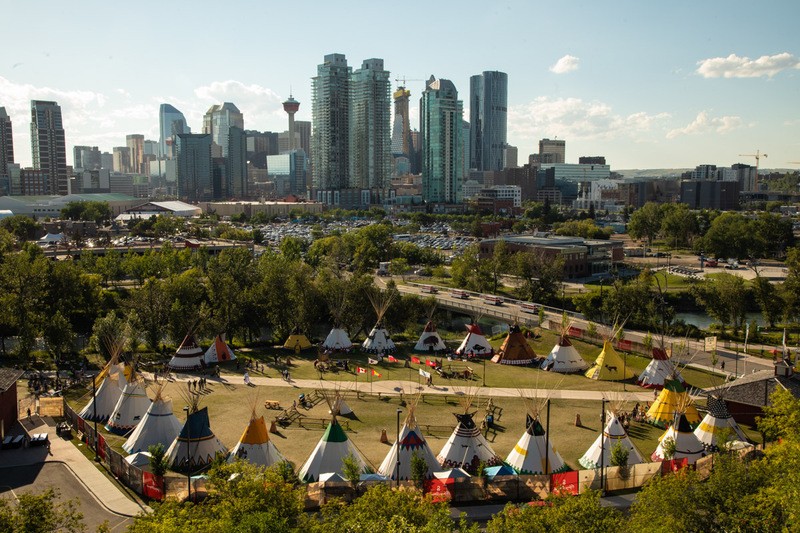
(361, 370)
(392, 359)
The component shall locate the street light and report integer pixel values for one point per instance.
(188, 443)
(397, 466)
(94, 416)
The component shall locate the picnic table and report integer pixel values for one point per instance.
(272, 404)
(39, 439)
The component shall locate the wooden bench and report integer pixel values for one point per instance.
(432, 428)
(272, 404)
(309, 422)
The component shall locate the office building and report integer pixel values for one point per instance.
(370, 119)
(401, 128)
(288, 172)
(746, 176)
(218, 121)
(171, 122)
(441, 129)
(107, 160)
(709, 194)
(193, 172)
(135, 145)
(510, 157)
(592, 160)
(6, 143)
(122, 159)
(48, 145)
(303, 130)
(27, 181)
(330, 146)
(86, 158)
(236, 183)
(488, 110)
(551, 151)
(576, 172)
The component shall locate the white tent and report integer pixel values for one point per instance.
(139, 459)
(430, 340)
(218, 351)
(328, 454)
(340, 407)
(530, 453)
(612, 435)
(378, 341)
(564, 358)
(475, 343)
(159, 426)
(467, 447)
(52, 238)
(131, 407)
(411, 441)
(337, 341)
(658, 371)
(687, 445)
(717, 419)
(255, 445)
(188, 356)
(108, 394)
(195, 441)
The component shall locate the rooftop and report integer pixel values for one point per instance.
(756, 388)
(9, 377)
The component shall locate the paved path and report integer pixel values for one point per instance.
(104, 491)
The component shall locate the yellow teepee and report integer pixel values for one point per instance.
(672, 399)
(609, 366)
(297, 341)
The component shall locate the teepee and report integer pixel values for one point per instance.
(430, 341)
(219, 351)
(474, 343)
(534, 453)
(515, 350)
(331, 449)
(131, 407)
(687, 445)
(188, 355)
(196, 443)
(564, 358)
(158, 426)
(108, 383)
(337, 340)
(378, 340)
(612, 435)
(410, 442)
(672, 399)
(658, 371)
(717, 419)
(609, 366)
(255, 445)
(297, 341)
(467, 446)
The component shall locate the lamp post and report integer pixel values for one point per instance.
(94, 416)
(188, 443)
(602, 449)
(397, 466)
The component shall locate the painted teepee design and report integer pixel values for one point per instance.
(467, 446)
(131, 407)
(515, 350)
(599, 453)
(254, 445)
(564, 358)
(672, 399)
(609, 366)
(716, 420)
(158, 426)
(474, 343)
(430, 340)
(534, 452)
(410, 441)
(687, 445)
(378, 340)
(188, 356)
(331, 449)
(658, 371)
(196, 445)
(219, 351)
(108, 383)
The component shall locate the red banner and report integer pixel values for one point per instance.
(101, 446)
(80, 425)
(574, 332)
(438, 489)
(673, 465)
(625, 345)
(415, 360)
(430, 363)
(151, 486)
(564, 483)
(392, 359)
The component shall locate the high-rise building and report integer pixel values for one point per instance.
(171, 123)
(122, 159)
(194, 172)
(6, 143)
(510, 157)
(218, 120)
(236, 185)
(151, 148)
(746, 175)
(488, 110)
(48, 145)
(288, 172)
(592, 160)
(86, 158)
(552, 151)
(330, 107)
(401, 129)
(441, 128)
(135, 143)
(370, 120)
(107, 160)
(303, 129)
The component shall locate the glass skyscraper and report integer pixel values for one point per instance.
(218, 121)
(370, 119)
(48, 145)
(441, 131)
(330, 138)
(171, 123)
(194, 173)
(488, 111)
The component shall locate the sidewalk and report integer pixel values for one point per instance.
(107, 493)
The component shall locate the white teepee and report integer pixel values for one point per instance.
(131, 407)
(196, 444)
(564, 358)
(474, 343)
(717, 419)
(467, 446)
(687, 445)
(255, 445)
(378, 340)
(108, 394)
(337, 341)
(531, 455)
(612, 435)
(188, 355)
(158, 426)
(219, 351)
(411, 441)
(658, 371)
(430, 340)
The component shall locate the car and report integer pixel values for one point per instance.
(711, 263)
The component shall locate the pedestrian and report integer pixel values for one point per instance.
(294, 405)
(722, 366)
(29, 412)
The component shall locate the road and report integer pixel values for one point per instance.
(16, 480)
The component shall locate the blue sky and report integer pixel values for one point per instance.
(647, 84)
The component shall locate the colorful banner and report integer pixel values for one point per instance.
(438, 489)
(574, 332)
(101, 446)
(673, 465)
(565, 483)
(625, 345)
(152, 486)
(360, 370)
(415, 360)
(376, 374)
(392, 359)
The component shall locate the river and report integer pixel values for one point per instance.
(703, 321)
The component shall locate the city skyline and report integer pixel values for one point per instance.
(635, 83)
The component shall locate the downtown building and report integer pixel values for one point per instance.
(6, 149)
(171, 123)
(218, 121)
(442, 142)
(488, 116)
(48, 146)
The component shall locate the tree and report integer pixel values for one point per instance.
(645, 222)
(564, 513)
(40, 513)
(540, 274)
(23, 292)
(149, 308)
(23, 227)
(352, 469)
(58, 336)
(159, 464)
(725, 298)
(399, 267)
(419, 469)
(98, 212)
(732, 235)
(586, 228)
(679, 225)
(781, 417)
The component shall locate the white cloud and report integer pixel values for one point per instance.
(734, 66)
(261, 106)
(704, 123)
(566, 64)
(574, 118)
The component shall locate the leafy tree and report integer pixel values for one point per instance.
(399, 267)
(148, 311)
(292, 248)
(58, 336)
(679, 224)
(158, 460)
(769, 300)
(586, 228)
(40, 513)
(23, 227)
(645, 222)
(98, 212)
(781, 417)
(23, 292)
(540, 275)
(563, 513)
(352, 469)
(732, 235)
(419, 469)
(619, 455)
(725, 298)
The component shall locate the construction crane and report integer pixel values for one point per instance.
(404, 80)
(758, 155)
